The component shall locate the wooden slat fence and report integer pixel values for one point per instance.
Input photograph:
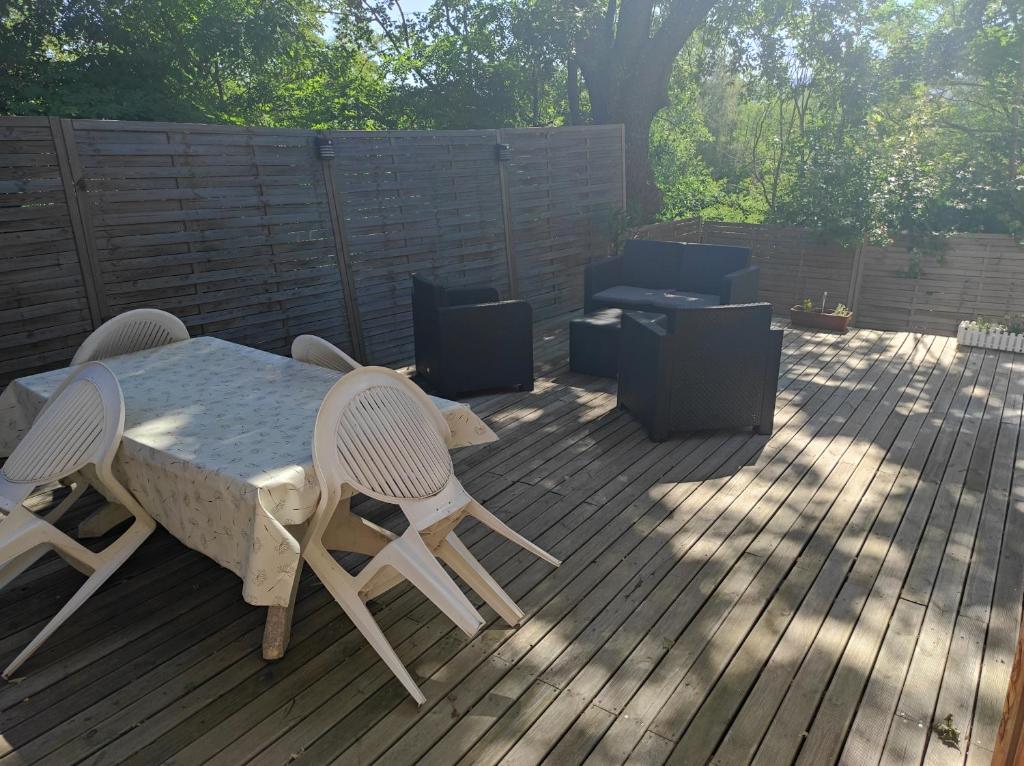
(247, 234)
(974, 275)
(416, 201)
(564, 185)
(888, 288)
(228, 229)
(45, 311)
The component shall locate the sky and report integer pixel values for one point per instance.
(414, 6)
(409, 6)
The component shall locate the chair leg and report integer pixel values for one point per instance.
(382, 582)
(10, 570)
(484, 516)
(339, 584)
(105, 562)
(453, 553)
(102, 520)
(412, 559)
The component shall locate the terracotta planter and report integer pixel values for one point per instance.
(818, 321)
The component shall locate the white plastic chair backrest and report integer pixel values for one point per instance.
(81, 424)
(379, 433)
(135, 330)
(315, 350)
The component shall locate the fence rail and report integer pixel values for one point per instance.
(888, 288)
(247, 234)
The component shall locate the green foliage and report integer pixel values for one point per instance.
(867, 120)
(985, 325)
(617, 223)
(468, 63)
(262, 62)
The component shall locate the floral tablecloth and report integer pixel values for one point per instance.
(217, 448)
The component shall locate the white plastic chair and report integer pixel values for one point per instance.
(75, 435)
(315, 350)
(135, 330)
(380, 434)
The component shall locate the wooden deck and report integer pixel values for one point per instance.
(820, 595)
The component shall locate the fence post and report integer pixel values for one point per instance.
(622, 150)
(70, 169)
(506, 214)
(348, 287)
(856, 278)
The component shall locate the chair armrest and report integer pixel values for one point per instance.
(643, 388)
(598, 276)
(741, 286)
(465, 296)
(494, 311)
(773, 362)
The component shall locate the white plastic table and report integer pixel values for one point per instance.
(217, 448)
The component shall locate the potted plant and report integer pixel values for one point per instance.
(806, 315)
(1002, 336)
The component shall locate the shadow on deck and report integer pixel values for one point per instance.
(824, 593)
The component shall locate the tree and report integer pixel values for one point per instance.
(477, 63)
(262, 62)
(625, 55)
(466, 63)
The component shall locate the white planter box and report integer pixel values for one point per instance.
(998, 338)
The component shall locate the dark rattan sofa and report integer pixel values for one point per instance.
(699, 369)
(467, 339)
(663, 276)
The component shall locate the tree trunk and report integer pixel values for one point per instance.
(643, 196)
(634, 106)
(626, 70)
(573, 91)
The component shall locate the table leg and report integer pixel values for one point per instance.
(278, 628)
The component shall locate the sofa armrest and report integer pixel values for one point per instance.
(465, 296)
(642, 386)
(773, 362)
(598, 276)
(741, 286)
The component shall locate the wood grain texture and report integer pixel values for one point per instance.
(246, 234)
(892, 287)
(723, 596)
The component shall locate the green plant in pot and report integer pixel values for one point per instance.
(807, 315)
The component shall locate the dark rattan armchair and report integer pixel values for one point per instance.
(467, 339)
(699, 369)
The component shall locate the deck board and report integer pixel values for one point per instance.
(817, 596)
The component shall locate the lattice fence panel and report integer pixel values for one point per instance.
(416, 201)
(44, 308)
(226, 227)
(565, 196)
